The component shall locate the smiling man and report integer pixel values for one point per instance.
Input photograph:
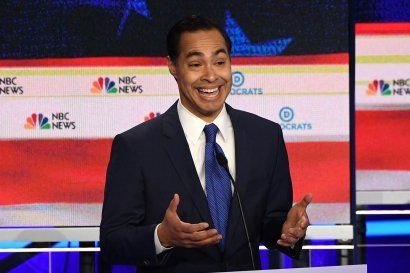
(169, 203)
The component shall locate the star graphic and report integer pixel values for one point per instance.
(242, 46)
(138, 6)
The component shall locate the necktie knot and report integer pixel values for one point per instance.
(210, 133)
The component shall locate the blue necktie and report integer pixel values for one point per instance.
(218, 184)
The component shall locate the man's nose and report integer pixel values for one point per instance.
(209, 74)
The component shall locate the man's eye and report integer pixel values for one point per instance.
(220, 62)
(194, 64)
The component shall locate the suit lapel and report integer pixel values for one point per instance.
(243, 148)
(177, 148)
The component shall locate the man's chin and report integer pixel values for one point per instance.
(211, 113)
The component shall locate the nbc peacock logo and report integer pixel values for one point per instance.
(376, 85)
(37, 121)
(151, 115)
(103, 84)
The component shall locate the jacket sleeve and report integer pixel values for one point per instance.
(123, 237)
(279, 200)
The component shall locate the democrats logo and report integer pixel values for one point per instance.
(240, 88)
(238, 79)
(287, 116)
(151, 115)
(126, 85)
(59, 121)
(396, 87)
(10, 86)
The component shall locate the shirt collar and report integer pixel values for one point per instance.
(193, 126)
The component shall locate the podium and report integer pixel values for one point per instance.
(361, 268)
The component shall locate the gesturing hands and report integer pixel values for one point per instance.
(174, 232)
(296, 223)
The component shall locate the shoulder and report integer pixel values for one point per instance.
(146, 129)
(143, 134)
(152, 129)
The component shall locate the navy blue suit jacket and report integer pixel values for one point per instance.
(152, 161)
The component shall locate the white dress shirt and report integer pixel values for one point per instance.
(193, 128)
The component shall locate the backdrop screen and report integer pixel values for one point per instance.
(73, 74)
(383, 106)
(383, 97)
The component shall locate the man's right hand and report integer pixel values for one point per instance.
(173, 232)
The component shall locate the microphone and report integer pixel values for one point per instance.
(220, 157)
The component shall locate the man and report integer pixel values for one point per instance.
(164, 210)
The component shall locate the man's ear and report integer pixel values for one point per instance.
(171, 67)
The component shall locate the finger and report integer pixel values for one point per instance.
(303, 223)
(201, 235)
(296, 233)
(289, 239)
(173, 205)
(206, 242)
(306, 200)
(290, 233)
(291, 229)
(190, 228)
(283, 243)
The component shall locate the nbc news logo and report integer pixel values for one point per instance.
(37, 121)
(398, 87)
(376, 86)
(151, 115)
(59, 121)
(10, 86)
(126, 85)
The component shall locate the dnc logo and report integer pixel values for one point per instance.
(287, 115)
(238, 80)
(103, 84)
(35, 121)
(376, 86)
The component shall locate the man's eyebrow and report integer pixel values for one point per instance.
(194, 53)
(221, 50)
(200, 54)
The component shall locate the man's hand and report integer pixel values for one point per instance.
(173, 232)
(296, 223)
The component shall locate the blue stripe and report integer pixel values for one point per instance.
(387, 228)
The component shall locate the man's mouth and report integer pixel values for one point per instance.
(208, 90)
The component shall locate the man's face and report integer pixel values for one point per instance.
(203, 72)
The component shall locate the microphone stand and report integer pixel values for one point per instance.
(224, 163)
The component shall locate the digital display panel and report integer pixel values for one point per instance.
(382, 106)
(73, 74)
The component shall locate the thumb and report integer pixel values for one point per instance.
(173, 205)
(306, 200)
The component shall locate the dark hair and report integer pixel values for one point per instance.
(191, 24)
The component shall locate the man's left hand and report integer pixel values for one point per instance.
(296, 223)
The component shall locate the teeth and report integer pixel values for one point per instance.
(208, 90)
